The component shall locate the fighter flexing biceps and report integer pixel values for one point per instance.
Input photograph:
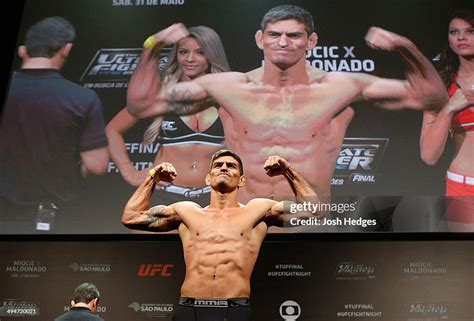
(286, 107)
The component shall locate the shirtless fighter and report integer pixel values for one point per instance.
(287, 108)
(221, 241)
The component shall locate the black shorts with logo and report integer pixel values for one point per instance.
(200, 309)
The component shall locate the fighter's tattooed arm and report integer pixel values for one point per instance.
(183, 98)
(153, 215)
(183, 101)
(138, 215)
(161, 218)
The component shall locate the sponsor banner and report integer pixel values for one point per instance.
(25, 268)
(154, 269)
(152, 310)
(424, 270)
(359, 160)
(90, 267)
(360, 311)
(355, 271)
(428, 311)
(100, 308)
(285, 271)
(290, 310)
(289, 271)
(113, 67)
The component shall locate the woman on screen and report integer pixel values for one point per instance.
(455, 119)
(185, 141)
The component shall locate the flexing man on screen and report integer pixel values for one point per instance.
(221, 242)
(286, 107)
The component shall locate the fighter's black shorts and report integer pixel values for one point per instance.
(198, 309)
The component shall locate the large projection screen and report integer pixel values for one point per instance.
(379, 173)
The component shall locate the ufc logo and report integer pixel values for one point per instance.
(153, 269)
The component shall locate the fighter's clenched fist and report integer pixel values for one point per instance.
(172, 34)
(275, 165)
(164, 172)
(381, 39)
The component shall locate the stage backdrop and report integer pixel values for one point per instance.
(140, 280)
(380, 155)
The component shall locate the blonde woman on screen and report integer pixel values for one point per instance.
(186, 141)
